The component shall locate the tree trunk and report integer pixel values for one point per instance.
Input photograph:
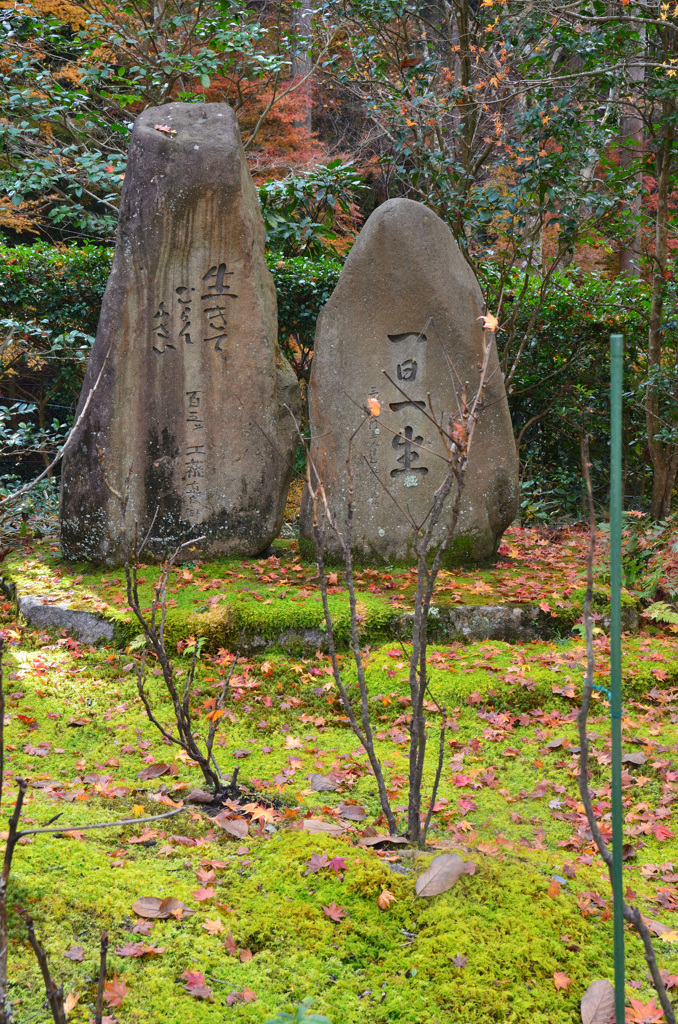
(302, 63)
(664, 455)
(631, 140)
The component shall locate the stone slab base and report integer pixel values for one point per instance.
(473, 623)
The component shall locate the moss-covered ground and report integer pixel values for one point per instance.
(227, 600)
(537, 903)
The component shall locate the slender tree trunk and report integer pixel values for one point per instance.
(664, 456)
(302, 63)
(631, 140)
(42, 404)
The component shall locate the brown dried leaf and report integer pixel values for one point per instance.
(154, 907)
(443, 872)
(352, 812)
(637, 757)
(236, 827)
(153, 771)
(322, 783)
(597, 1005)
(75, 953)
(199, 796)
(316, 825)
(376, 840)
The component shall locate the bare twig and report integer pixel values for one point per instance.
(456, 436)
(63, 829)
(364, 734)
(54, 993)
(102, 978)
(631, 914)
(69, 440)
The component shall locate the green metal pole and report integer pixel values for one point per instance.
(616, 380)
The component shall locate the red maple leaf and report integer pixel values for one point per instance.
(643, 1013)
(195, 985)
(337, 864)
(115, 991)
(246, 996)
(334, 912)
(204, 894)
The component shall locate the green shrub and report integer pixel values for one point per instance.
(303, 285)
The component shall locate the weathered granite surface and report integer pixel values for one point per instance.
(405, 310)
(191, 407)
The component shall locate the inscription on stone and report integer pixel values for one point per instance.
(193, 382)
(405, 308)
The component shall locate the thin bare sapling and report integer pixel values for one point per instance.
(431, 538)
(53, 992)
(199, 749)
(631, 914)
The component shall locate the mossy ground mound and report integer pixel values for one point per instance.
(231, 603)
(484, 952)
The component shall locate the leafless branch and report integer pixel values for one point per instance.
(631, 914)
(102, 978)
(69, 440)
(53, 992)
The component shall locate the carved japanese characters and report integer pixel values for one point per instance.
(405, 310)
(192, 405)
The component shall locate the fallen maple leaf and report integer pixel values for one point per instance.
(213, 927)
(195, 985)
(643, 1013)
(373, 406)
(386, 898)
(204, 893)
(71, 1000)
(337, 864)
(139, 949)
(334, 912)
(155, 907)
(317, 862)
(561, 980)
(246, 996)
(115, 991)
(75, 953)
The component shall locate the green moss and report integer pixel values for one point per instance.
(462, 551)
(373, 967)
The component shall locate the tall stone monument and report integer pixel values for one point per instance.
(405, 307)
(191, 405)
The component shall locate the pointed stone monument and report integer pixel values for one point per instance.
(191, 405)
(406, 306)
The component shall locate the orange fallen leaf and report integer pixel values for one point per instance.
(115, 991)
(386, 898)
(213, 927)
(490, 322)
